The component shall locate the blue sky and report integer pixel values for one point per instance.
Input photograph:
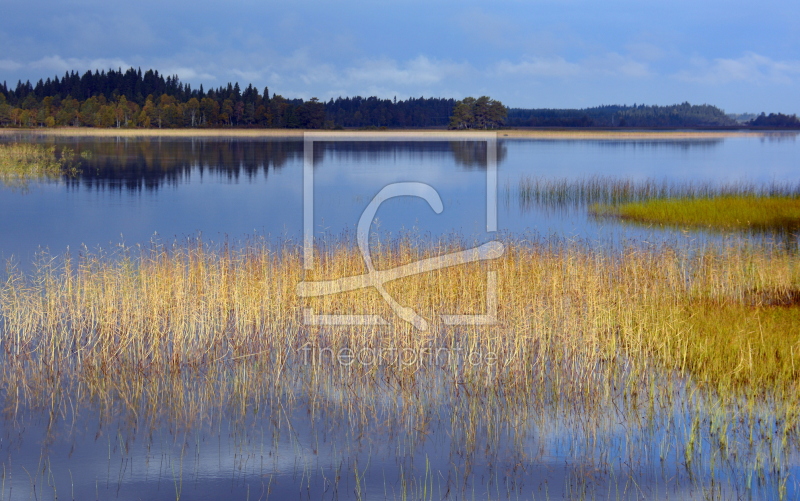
(741, 56)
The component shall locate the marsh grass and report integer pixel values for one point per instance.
(605, 192)
(585, 339)
(722, 212)
(21, 163)
(161, 308)
(760, 343)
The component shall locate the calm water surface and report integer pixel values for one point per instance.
(133, 190)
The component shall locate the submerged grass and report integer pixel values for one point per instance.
(191, 304)
(695, 347)
(748, 212)
(610, 191)
(21, 163)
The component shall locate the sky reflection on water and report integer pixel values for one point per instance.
(132, 190)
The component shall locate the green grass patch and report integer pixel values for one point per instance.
(734, 344)
(747, 212)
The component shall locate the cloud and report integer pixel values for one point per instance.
(610, 64)
(382, 77)
(188, 74)
(9, 65)
(750, 68)
(59, 64)
(248, 76)
(418, 71)
(539, 67)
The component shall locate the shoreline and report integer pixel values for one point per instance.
(448, 134)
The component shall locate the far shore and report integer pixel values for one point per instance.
(448, 134)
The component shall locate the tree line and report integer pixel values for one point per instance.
(776, 120)
(133, 98)
(678, 115)
(136, 99)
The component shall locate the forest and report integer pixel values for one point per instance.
(679, 115)
(136, 99)
(776, 120)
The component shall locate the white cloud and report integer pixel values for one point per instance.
(383, 77)
(608, 64)
(416, 72)
(751, 68)
(9, 65)
(539, 67)
(61, 65)
(247, 76)
(186, 75)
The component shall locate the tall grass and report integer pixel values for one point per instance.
(21, 163)
(168, 307)
(608, 190)
(192, 331)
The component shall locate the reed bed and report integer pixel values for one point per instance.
(160, 309)
(696, 348)
(722, 212)
(21, 163)
(188, 304)
(605, 191)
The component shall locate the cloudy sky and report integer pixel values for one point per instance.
(743, 56)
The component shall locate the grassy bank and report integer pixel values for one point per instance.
(727, 212)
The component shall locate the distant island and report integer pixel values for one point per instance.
(136, 99)
(683, 115)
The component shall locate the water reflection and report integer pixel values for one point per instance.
(784, 234)
(147, 163)
(133, 188)
(779, 136)
(467, 154)
(665, 144)
(242, 429)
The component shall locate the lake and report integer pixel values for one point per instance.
(133, 190)
(265, 428)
